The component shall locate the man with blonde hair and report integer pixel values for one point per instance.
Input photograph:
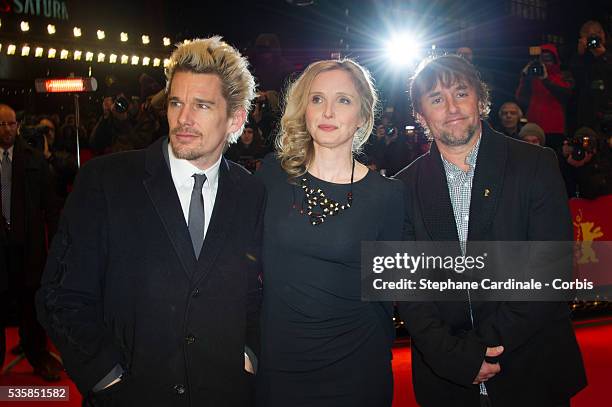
(152, 289)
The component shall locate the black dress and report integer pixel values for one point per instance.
(321, 345)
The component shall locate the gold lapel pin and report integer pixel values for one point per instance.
(487, 192)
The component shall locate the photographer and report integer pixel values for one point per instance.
(544, 92)
(61, 160)
(266, 115)
(400, 149)
(249, 149)
(591, 160)
(114, 129)
(592, 70)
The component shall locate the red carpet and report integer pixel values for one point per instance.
(594, 337)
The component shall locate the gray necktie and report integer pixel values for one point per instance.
(196, 214)
(5, 181)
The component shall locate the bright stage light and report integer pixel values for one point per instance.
(403, 49)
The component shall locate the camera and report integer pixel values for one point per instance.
(593, 42)
(121, 104)
(535, 69)
(389, 129)
(582, 145)
(34, 136)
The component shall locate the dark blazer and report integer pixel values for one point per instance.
(122, 285)
(34, 213)
(541, 364)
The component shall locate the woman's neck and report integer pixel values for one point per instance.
(332, 166)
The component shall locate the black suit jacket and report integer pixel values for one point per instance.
(541, 364)
(34, 216)
(122, 285)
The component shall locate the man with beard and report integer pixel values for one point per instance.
(478, 185)
(152, 291)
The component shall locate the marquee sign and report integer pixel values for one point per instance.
(55, 9)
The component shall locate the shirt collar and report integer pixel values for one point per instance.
(470, 159)
(182, 170)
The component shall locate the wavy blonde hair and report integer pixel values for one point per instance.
(214, 56)
(294, 144)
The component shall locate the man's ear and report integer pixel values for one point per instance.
(238, 118)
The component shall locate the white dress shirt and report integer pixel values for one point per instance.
(182, 175)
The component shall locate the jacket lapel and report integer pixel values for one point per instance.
(488, 183)
(223, 213)
(434, 199)
(162, 192)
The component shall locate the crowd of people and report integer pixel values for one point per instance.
(136, 270)
(568, 110)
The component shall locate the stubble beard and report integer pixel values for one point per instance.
(187, 152)
(448, 139)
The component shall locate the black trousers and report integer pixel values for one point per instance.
(31, 334)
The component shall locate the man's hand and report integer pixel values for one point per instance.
(46, 150)
(488, 370)
(248, 366)
(544, 73)
(117, 380)
(582, 45)
(107, 106)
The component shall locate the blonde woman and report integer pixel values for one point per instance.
(321, 345)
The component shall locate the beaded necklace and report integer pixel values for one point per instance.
(315, 197)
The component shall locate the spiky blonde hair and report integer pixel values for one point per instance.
(214, 56)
